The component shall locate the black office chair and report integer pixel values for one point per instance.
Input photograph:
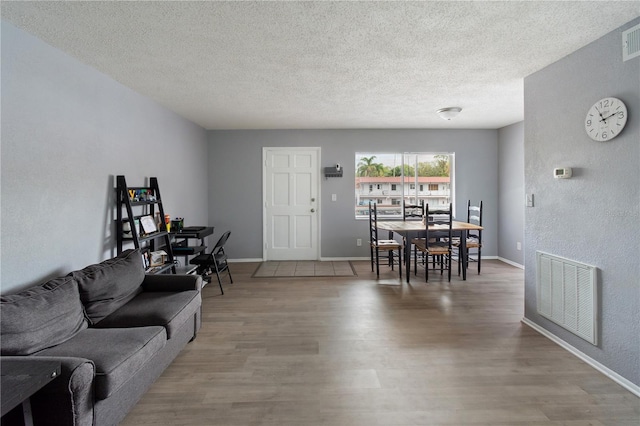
(216, 261)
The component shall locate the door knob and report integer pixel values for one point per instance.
(313, 199)
(313, 210)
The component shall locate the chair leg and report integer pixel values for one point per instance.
(400, 262)
(371, 248)
(229, 272)
(479, 259)
(449, 263)
(377, 262)
(215, 265)
(426, 268)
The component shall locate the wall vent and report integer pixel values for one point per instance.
(631, 43)
(567, 294)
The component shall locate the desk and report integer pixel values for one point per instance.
(414, 228)
(21, 379)
(182, 247)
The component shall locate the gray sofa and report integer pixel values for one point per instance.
(114, 330)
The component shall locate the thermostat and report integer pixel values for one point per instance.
(562, 172)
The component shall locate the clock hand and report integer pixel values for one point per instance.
(605, 119)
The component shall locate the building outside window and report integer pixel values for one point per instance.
(403, 173)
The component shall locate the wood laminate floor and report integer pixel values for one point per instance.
(366, 351)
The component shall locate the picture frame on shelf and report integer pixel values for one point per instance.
(148, 224)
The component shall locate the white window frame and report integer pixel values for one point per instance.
(413, 193)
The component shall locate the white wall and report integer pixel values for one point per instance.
(67, 131)
(593, 217)
(511, 193)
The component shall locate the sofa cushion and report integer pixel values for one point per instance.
(168, 309)
(41, 316)
(118, 354)
(106, 286)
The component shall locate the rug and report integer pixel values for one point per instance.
(306, 268)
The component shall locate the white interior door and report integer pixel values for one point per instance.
(291, 188)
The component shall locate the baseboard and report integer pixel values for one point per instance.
(342, 259)
(324, 259)
(628, 385)
(509, 262)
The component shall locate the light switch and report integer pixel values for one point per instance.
(529, 200)
(334, 197)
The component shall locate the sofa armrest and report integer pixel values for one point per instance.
(66, 400)
(167, 282)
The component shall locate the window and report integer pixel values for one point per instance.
(403, 173)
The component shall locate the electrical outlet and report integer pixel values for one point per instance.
(518, 246)
(359, 242)
(334, 197)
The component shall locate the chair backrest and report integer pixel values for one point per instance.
(412, 211)
(221, 242)
(373, 223)
(442, 218)
(474, 215)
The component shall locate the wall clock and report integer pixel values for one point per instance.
(606, 119)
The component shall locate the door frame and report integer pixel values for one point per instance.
(318, 151)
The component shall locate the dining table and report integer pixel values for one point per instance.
(410, 229)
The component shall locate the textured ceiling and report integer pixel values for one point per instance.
(320, 64)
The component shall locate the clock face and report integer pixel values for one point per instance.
(606, 119)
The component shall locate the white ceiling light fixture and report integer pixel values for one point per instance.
(449, 113)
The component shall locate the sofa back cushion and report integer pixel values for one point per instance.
(106, 286)
(40, 317)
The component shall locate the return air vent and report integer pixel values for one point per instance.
(631, 43)
(567, 295)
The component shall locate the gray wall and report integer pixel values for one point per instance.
(595, 216)
(511, 193)
(67, 130)
(235, 180)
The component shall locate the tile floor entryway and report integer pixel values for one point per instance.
(306, 268)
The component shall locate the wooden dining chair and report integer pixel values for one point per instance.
(436, 246)
(377, 245)
(474, 237)
(412, 211)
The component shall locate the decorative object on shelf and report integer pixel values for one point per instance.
(177, 224)
(335, 171)
(148, 224)
(448, 113)
(605, 119)
(157, 258)
(126, 229)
